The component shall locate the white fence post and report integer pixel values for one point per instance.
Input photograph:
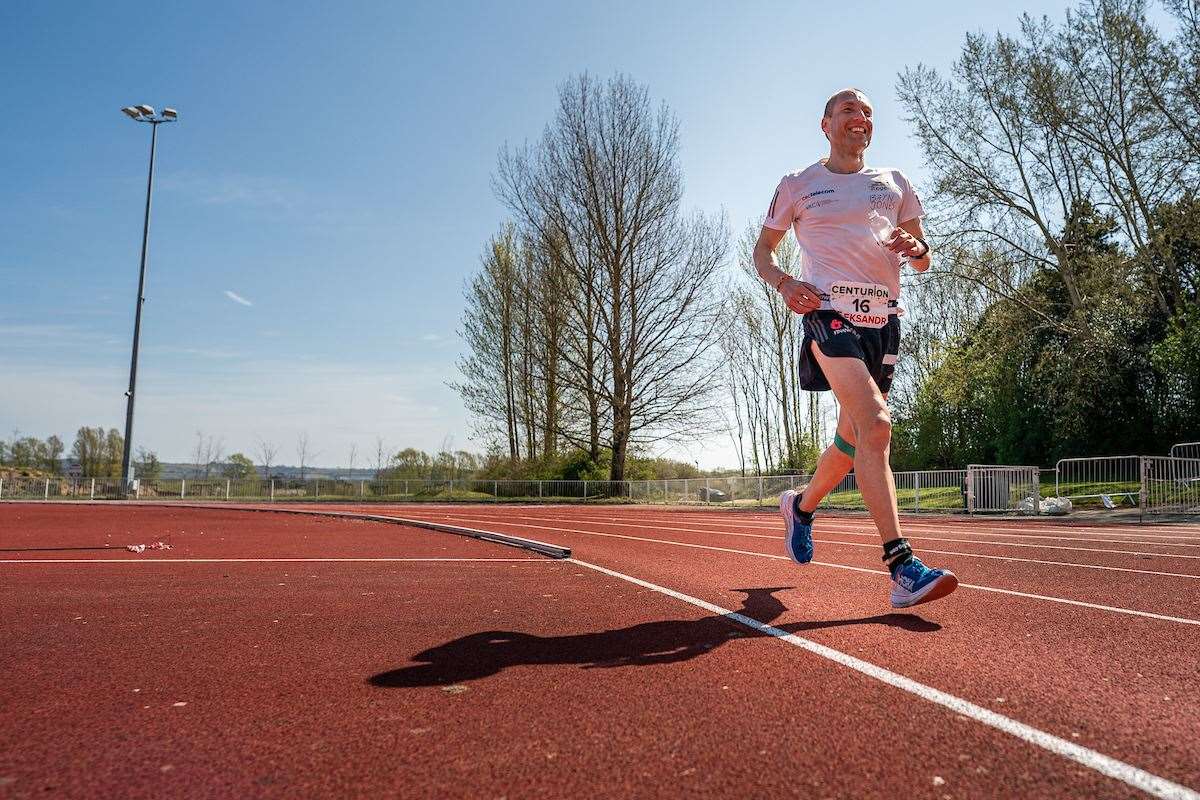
(92, 496)
(1143, 492)
(272, 490)
(916, 491)
(1, 487)
(47, 496)
(585, 483)
(182, 487)
(227, 488)
(362, 488)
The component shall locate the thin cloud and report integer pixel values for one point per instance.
(431, 337)
(237, 298)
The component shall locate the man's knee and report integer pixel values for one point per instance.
(875, 432)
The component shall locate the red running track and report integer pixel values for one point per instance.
(547, 678)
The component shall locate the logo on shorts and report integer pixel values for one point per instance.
(835, 324)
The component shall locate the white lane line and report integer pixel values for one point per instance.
(965, 530)
(923, 550)
(1114, 609)
(1106, 765)
(134, 560)
(875, 536)
(1034, 523)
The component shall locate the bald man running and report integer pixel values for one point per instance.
(854, 224)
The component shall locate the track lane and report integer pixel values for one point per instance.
(411, 682)
(1173, 596)
(1076, 674)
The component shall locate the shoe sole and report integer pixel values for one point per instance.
(789, 518)
(934, 591)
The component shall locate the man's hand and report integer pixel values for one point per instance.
(800, 296)
(903, 243)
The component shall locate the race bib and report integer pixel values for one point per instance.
(862, 304)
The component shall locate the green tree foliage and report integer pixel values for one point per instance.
(98, 453)
(146, 467)
(239, 468)
(32, 453)
(1064, 205)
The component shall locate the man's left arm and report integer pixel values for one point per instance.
(908, 240)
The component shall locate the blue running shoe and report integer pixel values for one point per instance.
(916, 583)
(799, 535)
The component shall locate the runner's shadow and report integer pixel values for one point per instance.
(479, 655)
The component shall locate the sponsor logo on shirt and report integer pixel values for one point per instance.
(884, 196)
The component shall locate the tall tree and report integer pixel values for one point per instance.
(604, 184)
(303, 452)
(266, 455)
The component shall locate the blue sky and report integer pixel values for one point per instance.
(332, 170)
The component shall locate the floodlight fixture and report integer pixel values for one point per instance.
(170, 114)
(146, 110)
(131, 112)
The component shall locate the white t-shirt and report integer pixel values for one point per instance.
(838, 253)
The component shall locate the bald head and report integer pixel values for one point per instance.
(850, 92)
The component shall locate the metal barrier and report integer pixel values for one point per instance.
(940, 490)
(1170, 485)
(1000, 488)
(1103, 478)
(1155, 484)
(1185, 450)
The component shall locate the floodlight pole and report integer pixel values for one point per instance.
(141, 298)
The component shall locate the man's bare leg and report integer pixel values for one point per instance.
(833, 465)
(865, 407)
(912, 582)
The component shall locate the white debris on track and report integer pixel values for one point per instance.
(141, 548)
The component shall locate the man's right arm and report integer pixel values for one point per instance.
(801, 297)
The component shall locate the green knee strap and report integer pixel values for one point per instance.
(843, 445)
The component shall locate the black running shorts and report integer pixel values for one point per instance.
(837, 338)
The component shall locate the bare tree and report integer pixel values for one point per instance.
(266, 455)
(1030, 131)
(198, 455)
(303, 452)
(380, 456)
(214, 452)
(490, 331)
(206, 453)
(353, 456)
(604, 185)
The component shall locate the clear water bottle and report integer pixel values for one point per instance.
(881, 229)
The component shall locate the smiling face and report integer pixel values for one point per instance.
(847, 123)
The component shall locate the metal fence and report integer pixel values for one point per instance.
(940, 490)
(1000, 488)
(1170, 485)
(1185, 450)
(1154, 484)
(1108, 481)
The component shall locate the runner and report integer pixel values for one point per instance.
(853, 223)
